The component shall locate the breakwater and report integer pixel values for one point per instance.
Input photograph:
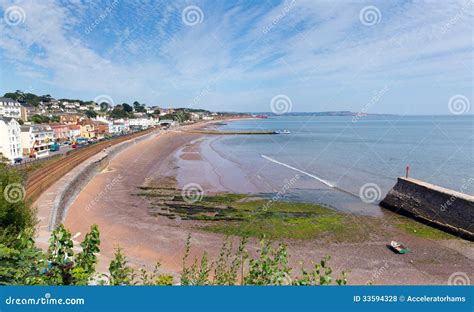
(446, 209)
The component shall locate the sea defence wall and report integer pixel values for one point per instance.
(443, 208)
(78, 178)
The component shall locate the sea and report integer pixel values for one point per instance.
(346, 162)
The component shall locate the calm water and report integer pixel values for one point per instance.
(348, 155)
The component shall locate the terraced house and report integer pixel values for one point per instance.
(92, 129)
(10, 143)
(9, 108)
(36, 140)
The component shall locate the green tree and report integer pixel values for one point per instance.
(139, 108)
(90, 113)
(127, 108)
(39, 119)
(118, 112)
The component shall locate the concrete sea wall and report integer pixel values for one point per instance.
(80, 176)
(446, 209)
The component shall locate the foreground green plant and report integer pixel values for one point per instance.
(270, 267)
(20, 260)
(22, 263)
(15, 215)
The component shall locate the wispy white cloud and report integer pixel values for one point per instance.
(316, 52)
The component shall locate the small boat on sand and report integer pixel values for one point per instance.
(398, 247)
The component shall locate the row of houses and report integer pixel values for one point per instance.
(17, 141)
(19, 138)
(24, 111)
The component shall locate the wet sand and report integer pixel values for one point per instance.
(124, 219)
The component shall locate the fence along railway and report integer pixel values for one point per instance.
(41, 179)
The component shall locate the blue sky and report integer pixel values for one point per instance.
(404, 57)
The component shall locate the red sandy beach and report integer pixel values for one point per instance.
(124, 220)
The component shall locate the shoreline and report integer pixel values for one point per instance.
(124, 219)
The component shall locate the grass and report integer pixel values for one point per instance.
(421, 230)
(244, 215)
(253, 216)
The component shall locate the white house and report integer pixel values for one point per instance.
(142, 123)
(118, 127)
(9, 108)
(36, 140)
(74, 131)
(152, 109)
(10, 142)
(71, 106)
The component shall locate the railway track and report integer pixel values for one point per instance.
(43, 178)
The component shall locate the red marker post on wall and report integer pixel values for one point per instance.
(407, 171)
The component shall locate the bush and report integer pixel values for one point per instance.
(15, 215)
(269, 268)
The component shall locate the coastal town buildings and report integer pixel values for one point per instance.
(118, 127)
(27, 111)
(142, 123)
(10, 142)
(74, 131)
(152, 109)
(87, 129)
(93, 129)
(10, 108)
(70, 106)
(60, 132)
(69, 119)
(36, 140)
(166, 111)
(101, 129)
